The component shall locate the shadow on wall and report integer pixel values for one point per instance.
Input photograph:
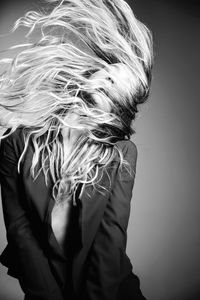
(191, 7)
(9, 287)
(164, 228)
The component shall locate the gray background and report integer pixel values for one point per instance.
(164, 231)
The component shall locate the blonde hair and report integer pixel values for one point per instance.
(75, 67)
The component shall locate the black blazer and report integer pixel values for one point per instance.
(99, 263)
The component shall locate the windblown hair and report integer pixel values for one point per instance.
(76, 67)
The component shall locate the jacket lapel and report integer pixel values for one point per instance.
(93, 203)
(91, 207)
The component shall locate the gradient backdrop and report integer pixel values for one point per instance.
(164, 231)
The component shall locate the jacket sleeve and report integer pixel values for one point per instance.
(107, 257)
(35, 276)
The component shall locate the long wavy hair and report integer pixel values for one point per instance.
(91, 59)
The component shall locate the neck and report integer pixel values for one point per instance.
(70, 135)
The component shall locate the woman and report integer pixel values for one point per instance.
(67, 164)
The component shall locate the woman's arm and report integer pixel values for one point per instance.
(107, 262)
(35, 276)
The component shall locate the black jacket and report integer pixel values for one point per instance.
(99, 263)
